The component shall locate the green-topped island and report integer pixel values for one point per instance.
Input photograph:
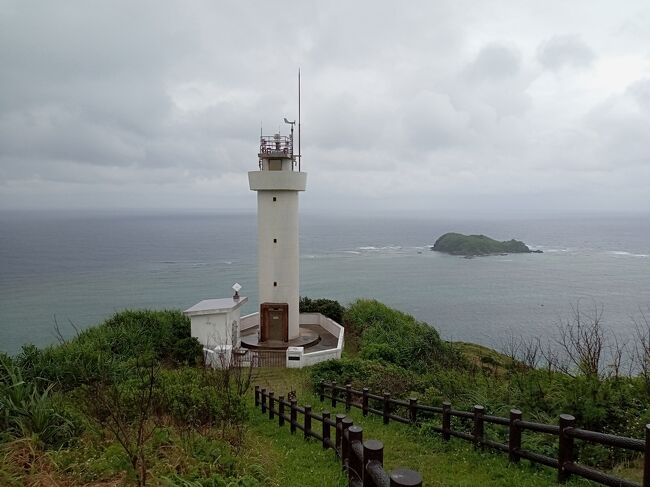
(479, 245)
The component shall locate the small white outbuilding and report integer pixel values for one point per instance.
(216, 322)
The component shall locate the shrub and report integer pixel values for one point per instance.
(191, 397)
(26, 411)
(126, 336)
(377, 376)
(187, 351)
(327, 307)
(398, 338)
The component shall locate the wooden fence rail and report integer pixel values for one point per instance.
(363, 461)
(565, 430)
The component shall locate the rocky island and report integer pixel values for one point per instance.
(478, 245)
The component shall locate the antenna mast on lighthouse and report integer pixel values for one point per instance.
(299, 151)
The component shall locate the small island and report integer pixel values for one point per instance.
(479, 245)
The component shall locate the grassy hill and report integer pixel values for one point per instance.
(128, 403)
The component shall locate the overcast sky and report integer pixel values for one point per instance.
(427, 106)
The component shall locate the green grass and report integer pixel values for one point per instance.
(283, 380)
(452, 464)
(290, 460)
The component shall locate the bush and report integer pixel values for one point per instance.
(327, 307)
(126, 336)
(187, 351)
(398, 338)
(191, 397)
(377, 376)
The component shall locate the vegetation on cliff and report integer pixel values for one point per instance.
(579, 372)
(129, 403)
(474, 245)
(123, 403)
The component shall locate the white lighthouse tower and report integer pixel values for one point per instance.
(278, 182)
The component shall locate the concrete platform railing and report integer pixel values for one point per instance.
(303, 357)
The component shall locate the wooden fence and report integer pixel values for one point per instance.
(362, 460)
(565, 430)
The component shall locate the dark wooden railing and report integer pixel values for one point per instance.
(565, 430)
(362, 460)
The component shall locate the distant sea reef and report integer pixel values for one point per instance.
(479, 245)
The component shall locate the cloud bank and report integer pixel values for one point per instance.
(428, 107)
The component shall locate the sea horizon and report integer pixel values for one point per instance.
(82, 266)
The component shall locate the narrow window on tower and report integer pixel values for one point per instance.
(275, 240)
(275, 284)
(275, 199)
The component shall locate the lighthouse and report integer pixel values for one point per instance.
(277, 335)
(278, 182)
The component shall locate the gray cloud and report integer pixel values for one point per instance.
(149, 105)
(494, 62)
(565, 51)
(640, 90)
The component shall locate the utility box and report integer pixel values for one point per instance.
(294, 357)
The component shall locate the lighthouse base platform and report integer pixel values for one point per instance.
(320, 339)
(307, 339)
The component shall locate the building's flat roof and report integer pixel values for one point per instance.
(215, 306)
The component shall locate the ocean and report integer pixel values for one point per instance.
(78, 268)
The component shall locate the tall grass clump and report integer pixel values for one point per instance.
(395, 337)
(28, 411)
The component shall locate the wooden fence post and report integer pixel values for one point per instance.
(281, 411)
(257, 396)
(386, 407)
(364, 402)
(339, 419)
(373, 453)
(479, 426)
(293, 415)
(348, 396)
(345, 443)
(413, 410)
(321, 390)
(446, 420)
(355, 464)
(646, 459)
(403, 477)
(514, 436)
(271, 404)
(333, 392)
(263, 401)
(565, 452)
(307, 424)
(326, 429)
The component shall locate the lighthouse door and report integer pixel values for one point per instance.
(274, 321)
